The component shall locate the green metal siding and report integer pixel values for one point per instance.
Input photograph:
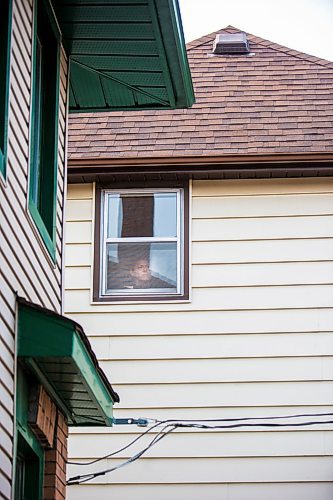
(5, 37)
(52, 348)
(125, 54)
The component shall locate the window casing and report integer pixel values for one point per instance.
(143, 244)
(29, 457)
(5, 37)
(44, 123)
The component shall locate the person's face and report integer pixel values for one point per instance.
(141, 270)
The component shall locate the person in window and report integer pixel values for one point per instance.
(140, 277)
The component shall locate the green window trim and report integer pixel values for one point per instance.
(29, 455)
(5, 35)
(44, 124)
(47, 239)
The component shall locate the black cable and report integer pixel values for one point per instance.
(171, 425)
(232, 426)
(121, 449)
(249, 418)
(241, 419)
(88, 477)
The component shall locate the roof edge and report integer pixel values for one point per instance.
(250, 159)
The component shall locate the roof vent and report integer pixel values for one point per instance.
(231, 43)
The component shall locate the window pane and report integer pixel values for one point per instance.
(148, 215)
(141, 266)
(165, 214)
(115, 216)
(37, 116)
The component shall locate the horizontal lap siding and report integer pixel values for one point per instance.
(25, 266)
(224, 470)
(255, 339)
(217, 491)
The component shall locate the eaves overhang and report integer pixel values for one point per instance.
(125, 54)
(202, 167)
(57, 351)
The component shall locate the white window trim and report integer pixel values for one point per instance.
(179, 239)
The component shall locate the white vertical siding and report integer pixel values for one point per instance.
(256, 339)
(25, 267)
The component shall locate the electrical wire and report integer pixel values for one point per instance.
(233, 426)
(239, 419)
(88, 477)
(121, 449)
(170, 425)
(160, 422)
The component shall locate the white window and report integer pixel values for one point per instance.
(142, 243)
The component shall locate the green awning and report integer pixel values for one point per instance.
(56, 349)
(125, 54)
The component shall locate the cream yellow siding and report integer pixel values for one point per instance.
(255, 339)
(26, 268)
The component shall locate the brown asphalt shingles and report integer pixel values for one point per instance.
(274, 100)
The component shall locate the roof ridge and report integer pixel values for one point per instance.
(263, 41)
(291, 52)
(205, 38)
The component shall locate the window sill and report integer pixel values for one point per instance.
(3, 170)
(138, 301)
(42, 232)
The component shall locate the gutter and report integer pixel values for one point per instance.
(318, 161)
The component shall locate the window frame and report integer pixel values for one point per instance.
(44, 129)
(182, 245)
(4, 98)
(26, 443)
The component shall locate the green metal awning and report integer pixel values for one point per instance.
(56, 349)
(125, 54)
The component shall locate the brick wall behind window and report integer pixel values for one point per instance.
(55, 463)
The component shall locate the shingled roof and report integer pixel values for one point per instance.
(273, 100)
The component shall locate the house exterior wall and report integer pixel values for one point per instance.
(26, 268)
(254, 340)
(55, 463)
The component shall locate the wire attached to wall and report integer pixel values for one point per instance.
(171, 425)
(88, 477)
(120, 450)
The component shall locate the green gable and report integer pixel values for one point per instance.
(125, 54)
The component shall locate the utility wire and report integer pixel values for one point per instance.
(121, 449)
(232, 426)
(276, 417)
(88, 477)
(170, 425)
(160, 422)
